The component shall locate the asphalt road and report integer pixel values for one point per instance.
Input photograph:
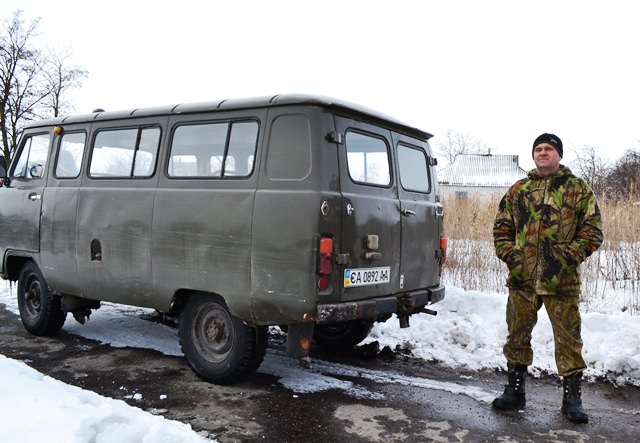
(414, 401)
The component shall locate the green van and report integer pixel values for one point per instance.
(305, 212)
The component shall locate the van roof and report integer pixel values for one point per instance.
(335, 105)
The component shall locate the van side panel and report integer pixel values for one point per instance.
(201, 242)
(119, 219)
(58, 234)
(202, 227)
(287, 222)
(113, 249)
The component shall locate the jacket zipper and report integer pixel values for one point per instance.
(538, 245)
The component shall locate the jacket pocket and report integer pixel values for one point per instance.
(515, 258)
(515, 264)
(566, 256)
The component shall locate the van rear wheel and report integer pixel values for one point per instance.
(342, 336)
(40, 310)
(219, 347)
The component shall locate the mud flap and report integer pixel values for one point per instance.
(299, 336)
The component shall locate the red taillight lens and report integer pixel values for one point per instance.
(443, 248)
(325, 262)
(442, 253)
(323, 283)
(326, 256)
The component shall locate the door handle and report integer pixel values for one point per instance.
(34, 196)
(408, 212)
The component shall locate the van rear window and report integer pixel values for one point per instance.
(414, 172)
(213, 150)
(367, 159)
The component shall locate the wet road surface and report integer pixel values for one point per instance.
(398, 398)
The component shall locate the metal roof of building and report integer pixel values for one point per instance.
(482, 170)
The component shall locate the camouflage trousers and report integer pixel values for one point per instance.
(564, 314)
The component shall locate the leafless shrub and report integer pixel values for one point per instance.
(472, 264)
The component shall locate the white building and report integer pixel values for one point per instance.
(479, 176)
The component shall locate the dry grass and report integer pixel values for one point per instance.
(472, 264)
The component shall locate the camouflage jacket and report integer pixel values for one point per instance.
(545, 227)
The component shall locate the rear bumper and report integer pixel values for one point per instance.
(405, 303)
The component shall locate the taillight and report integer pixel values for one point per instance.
(442, 254)
(325, 266)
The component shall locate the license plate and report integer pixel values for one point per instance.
(366, 276)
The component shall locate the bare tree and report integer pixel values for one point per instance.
(32, 82)
(624, 177)
(591, 167)
(60, 75)
(19, 64)
(457, 143)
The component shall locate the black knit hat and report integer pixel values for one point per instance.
(552, 139)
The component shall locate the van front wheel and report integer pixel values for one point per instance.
(40, 310)
(219, 347)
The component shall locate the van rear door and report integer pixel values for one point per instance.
(371, 233)
(421, 214)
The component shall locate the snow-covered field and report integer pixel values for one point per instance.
(468, 332)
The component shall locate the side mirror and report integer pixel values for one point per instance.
(3, 167)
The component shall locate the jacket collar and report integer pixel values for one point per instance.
(561, 172)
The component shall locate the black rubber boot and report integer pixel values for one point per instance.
(513, 396)
(572, 401)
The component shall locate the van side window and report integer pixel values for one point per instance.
(70, 155)
(129, 153)
(289, 155)
(33, 157)
(414, 172)
(213, 150)
(242, 149)
(367, 159)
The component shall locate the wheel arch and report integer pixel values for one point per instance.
(13, 263)
(181, 297)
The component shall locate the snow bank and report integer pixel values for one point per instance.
(36, 408)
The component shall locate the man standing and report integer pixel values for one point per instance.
(547, 224)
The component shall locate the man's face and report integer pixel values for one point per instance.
(546, 158)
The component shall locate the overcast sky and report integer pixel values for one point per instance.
(499, 71)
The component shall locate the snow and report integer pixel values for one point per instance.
(69, 414)
(468, 333)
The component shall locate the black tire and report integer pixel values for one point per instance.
(40, 310)
(342, 336)
(219, 347)
(262, 338)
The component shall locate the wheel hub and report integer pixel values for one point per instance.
(34, 298)
(212, 333)
(216, 331)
